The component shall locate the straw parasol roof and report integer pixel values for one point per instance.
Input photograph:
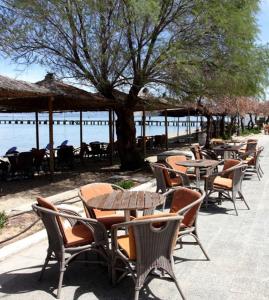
(10, 88)
(20, 96)
(65, 97)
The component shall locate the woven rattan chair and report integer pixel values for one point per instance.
(252, 159)
(172, 163)
(70, 235)
(167, 178)
(251, 145)
(187, 202)
(89, 191)
(200, 153)
(227, 183)
(148, 246)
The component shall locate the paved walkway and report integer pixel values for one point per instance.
(238, 248)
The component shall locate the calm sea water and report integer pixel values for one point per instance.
(23, 136)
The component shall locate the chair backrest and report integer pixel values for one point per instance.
(84, 150)
(159, 140)
(229, 163)
(12, 150)
(65, 154)
(38, 155)
(25, 161)
(153, 237)
(95, 147)
(160, 175)
(173, 160)
(92, 190)
(191, 199)
(237, 176)
(54, 225)
(251, 145)
(257, 155)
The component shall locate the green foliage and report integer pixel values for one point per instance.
(125, 184)
(251, 131)
(3, 219)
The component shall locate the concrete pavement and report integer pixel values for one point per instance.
(238, 248)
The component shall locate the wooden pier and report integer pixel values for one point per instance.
(97, 122)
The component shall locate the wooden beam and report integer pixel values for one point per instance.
(51, 161)
(37, 130)
(144, 133)
(166, 129)
(80, 128)
(111, 136)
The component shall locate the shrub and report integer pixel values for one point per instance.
(251, 131)
(3, 219)
(125, 184)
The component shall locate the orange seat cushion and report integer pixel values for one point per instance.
(175, 181)
(127, 242)
(249, 160)
(78, 235)
(221, 182)
(110, 220)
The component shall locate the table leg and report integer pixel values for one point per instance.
(127, 219)
(127, 215)
(197, 171)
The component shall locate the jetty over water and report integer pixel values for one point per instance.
(99, 122)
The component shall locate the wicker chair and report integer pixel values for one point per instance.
(251, 145)
(172, 163)
(70, 235)
(187, 202)
(148, 246)
(252, 159)
(200, 153)
(107, 217)
(227, 183)
(167, 178)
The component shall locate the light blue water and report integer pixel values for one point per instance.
(23, 135)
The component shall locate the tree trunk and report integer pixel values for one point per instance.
(129, 155)
(242, 124)
(222, 126)
(208, 131)
(250, 123)
(238, 125)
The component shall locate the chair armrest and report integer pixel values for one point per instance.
(97, 228)
(185, 209)
(243, 156)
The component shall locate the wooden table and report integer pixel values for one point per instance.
(198, 164)
(127, 201)
(227, 150)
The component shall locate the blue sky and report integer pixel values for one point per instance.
(35, 73)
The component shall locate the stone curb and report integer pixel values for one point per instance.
(41, 235)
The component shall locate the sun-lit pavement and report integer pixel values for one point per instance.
(238, 248)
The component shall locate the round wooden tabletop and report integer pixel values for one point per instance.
(126, 200)
(198, 163)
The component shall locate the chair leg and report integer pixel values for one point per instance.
(179, 289)
(258, 174)
(244, 200)
(45, 265)
(136, 295)
(233, 198)
(200, 245)
(62, 270)
(260, 168)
